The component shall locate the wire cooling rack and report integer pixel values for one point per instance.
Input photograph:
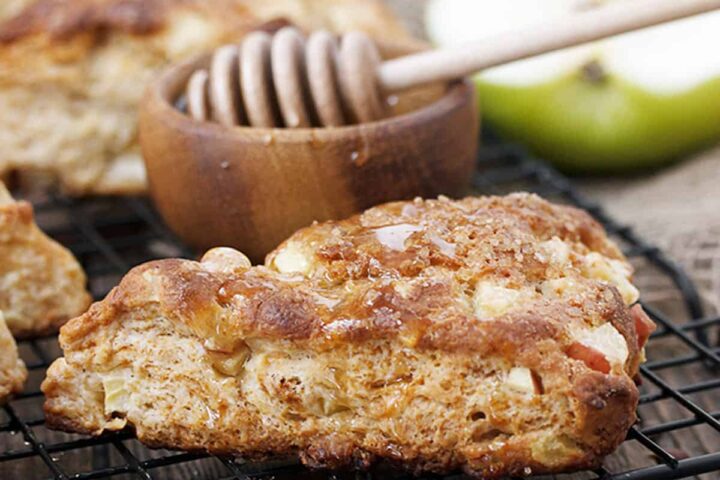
(678, 435)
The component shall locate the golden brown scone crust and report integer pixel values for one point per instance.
(12, 369)
(435, 335)
(72, 73)
(41, 284)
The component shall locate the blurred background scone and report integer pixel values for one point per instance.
(12, 369)
(8, 8)
(491, 334)
(41, 284)
(72, 73)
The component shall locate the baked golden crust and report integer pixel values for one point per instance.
(12, 369)
(491, 334)
(72, 73)
(41, 283)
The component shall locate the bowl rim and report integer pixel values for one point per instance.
(174, 77)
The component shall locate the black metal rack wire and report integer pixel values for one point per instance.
(680, 391)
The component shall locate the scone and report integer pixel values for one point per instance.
(72, 73)
(493, 335)
(10, 8)
(41, 284)
(12, 369)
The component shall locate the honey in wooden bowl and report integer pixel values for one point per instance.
(250, 188)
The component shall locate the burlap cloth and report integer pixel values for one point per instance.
(676, 208)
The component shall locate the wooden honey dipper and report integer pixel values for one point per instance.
(284, 80)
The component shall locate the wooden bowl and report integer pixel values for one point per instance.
(250, 188)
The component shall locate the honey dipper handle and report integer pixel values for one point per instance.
(574, 29)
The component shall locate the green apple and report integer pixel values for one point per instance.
(636, 100)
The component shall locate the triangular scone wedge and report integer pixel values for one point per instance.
(12, 369)
(41, 284)
(493, 335)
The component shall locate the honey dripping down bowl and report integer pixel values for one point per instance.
(285, 80)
